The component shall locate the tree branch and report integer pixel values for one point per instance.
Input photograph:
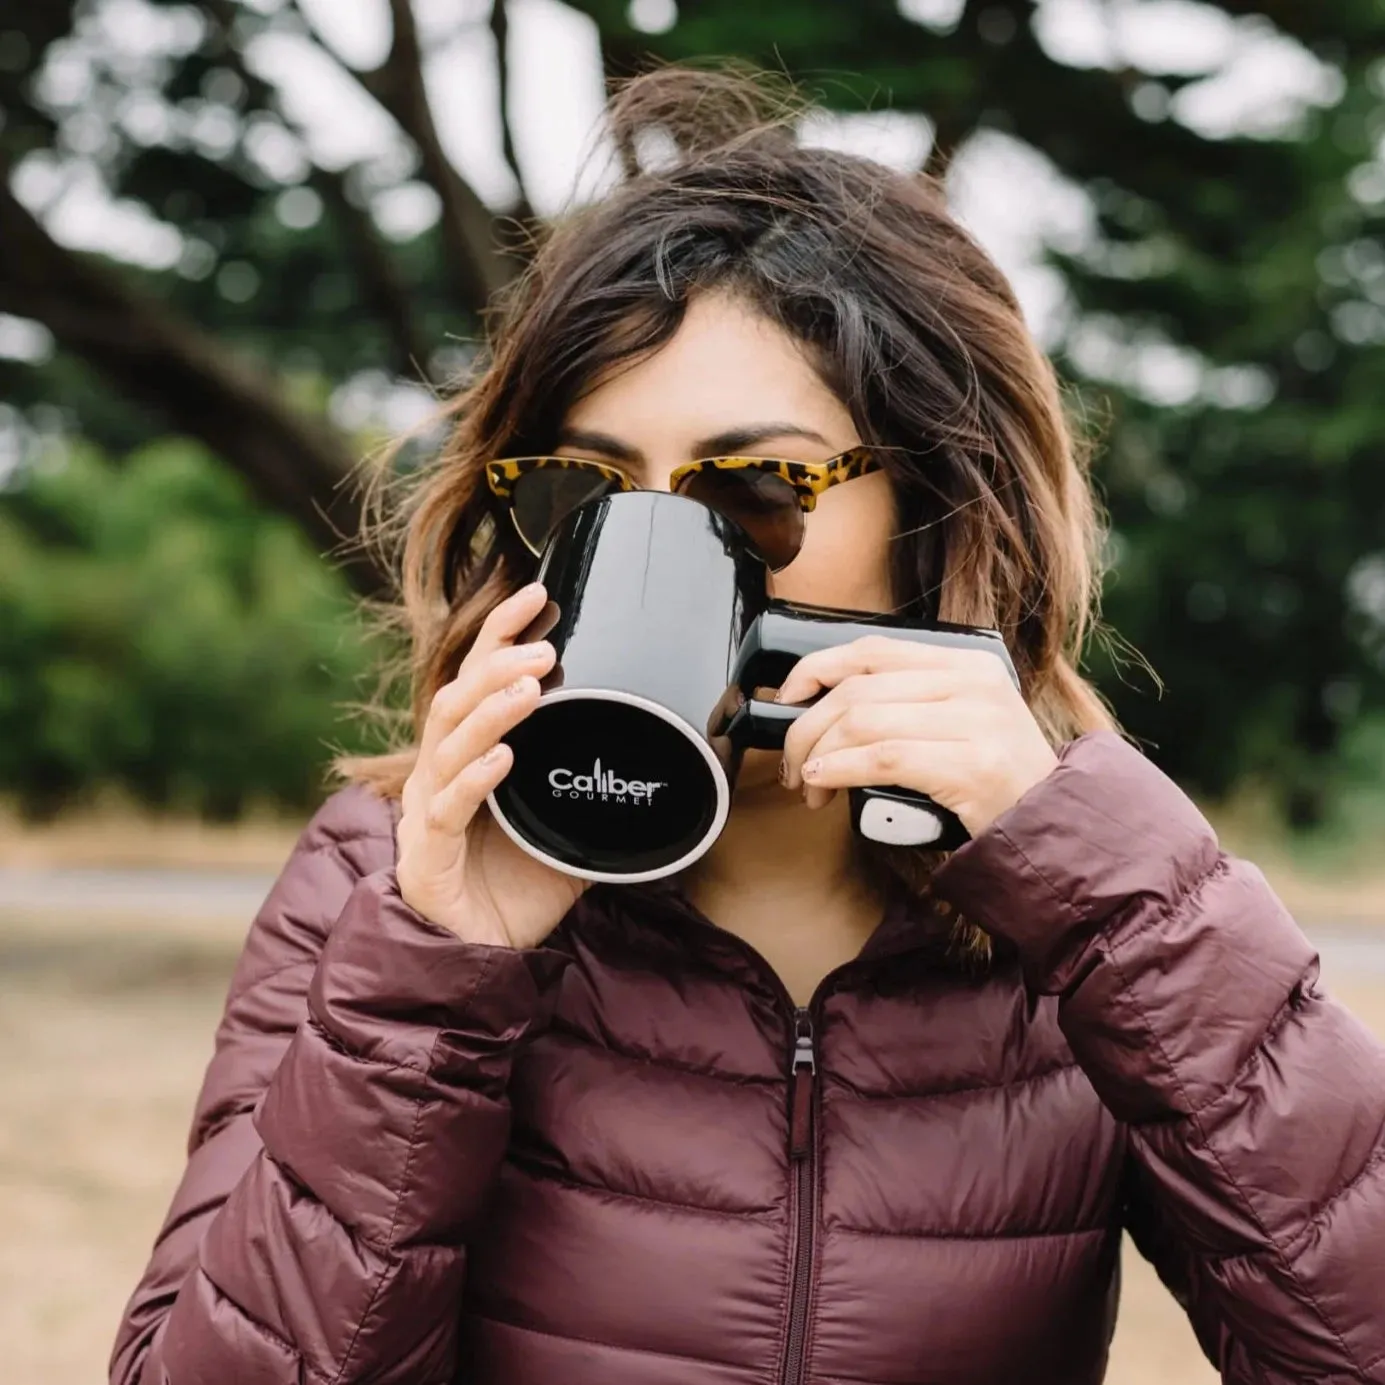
(478, 264)
(500, 32)
(292, 462)
(384, 291)
(955, 115)
(377, 271)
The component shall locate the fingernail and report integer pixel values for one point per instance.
(533, 589)
(520, 653)
(779, 694)
(517, 687)
(811, 769)
(492, 755)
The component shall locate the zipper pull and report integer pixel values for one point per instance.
(801, 1102)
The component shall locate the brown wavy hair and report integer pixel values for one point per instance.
(905, 317)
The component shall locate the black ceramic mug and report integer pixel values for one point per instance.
(664, 629)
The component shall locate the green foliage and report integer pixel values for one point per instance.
(1242, 528)
(1246, 530)
(1249, 535)
(161, 633)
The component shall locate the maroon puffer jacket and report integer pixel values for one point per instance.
(624, 1158)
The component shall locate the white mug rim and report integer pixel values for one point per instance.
(699, 849)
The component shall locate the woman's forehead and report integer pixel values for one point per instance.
(727, 372)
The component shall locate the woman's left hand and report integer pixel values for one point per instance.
(946, 722)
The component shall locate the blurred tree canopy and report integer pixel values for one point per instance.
(1223, 319)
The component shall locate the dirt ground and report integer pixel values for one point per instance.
(105, 1027)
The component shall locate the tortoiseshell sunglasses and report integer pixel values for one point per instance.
(765, 497)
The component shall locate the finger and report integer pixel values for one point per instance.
(476, 680)
(864, 723)
(498, 712)
(825, 668)
(508, 619)
(541, 625)
(936, 768)
(909, 685)
(449, 811)
(501, 627)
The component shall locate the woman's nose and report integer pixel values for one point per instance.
(654, 475)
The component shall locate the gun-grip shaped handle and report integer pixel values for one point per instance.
(895, 816)
(786, 631)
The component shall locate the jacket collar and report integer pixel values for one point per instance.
(656, 924)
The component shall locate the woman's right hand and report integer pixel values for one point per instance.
(456, 866)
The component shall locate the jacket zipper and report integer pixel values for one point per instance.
(801, 1147)
(801, 1108)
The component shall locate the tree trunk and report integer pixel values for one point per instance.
(294, 463)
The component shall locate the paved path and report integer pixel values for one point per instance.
(1358, 950)
(160, 892)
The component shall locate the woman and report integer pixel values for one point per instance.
(805, 1113)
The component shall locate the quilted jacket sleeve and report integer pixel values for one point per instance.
(349, 1126)
(1255, 1104)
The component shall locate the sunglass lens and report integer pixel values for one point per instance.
(762, 504)
(543, 498)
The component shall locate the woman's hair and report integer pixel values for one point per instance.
(902, 313)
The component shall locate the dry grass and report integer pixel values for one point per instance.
(121, 834)
(106, 1026)
(105, 1034)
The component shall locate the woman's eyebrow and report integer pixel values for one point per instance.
(607, 446)
(725, 443)
(738, 439)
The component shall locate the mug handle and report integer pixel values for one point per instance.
(893, 816)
